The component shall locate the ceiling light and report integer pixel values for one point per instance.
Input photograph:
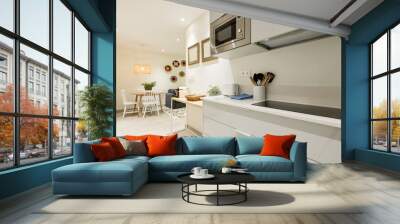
(182, 19)
(162, 50)
(178, 39)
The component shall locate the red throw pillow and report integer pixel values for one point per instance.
(161, 145)
(103, 152)
(277, 145)
(116, 145)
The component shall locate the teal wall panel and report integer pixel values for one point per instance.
(355, 123)
(24, 178)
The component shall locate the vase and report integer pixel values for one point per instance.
(259, 93)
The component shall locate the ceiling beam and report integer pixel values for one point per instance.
(346, 12)
(268, 15)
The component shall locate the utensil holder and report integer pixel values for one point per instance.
(259, 93)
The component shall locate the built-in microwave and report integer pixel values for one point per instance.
(229, 32)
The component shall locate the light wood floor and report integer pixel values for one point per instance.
(133, 124)
(379, 189)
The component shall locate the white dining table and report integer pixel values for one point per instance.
(140, 93)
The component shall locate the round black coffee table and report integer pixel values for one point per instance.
(238, 179)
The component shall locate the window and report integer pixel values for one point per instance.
(385, 92)
(81, 45)
(62, 137)
(45, 116)
(62, 29)
(35, 21)
(62, 74)
(6, 142)
(7, 14)
(81, 81)
(6, 74)
(30, 88)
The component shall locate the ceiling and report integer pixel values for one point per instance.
(154, 25)
(318, 9)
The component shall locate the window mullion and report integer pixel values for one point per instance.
(389, 104)
(16, 70)
(73, 82)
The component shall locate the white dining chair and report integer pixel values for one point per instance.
(130, 106)
(150, 103)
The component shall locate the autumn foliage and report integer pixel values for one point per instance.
(33, 131)
(380, 127)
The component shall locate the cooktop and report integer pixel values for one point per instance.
(301, 108)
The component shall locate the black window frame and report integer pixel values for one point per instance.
(388, 74)
(16, 114)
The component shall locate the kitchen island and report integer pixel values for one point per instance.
(223, 116)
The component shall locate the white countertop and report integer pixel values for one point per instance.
(247, 105)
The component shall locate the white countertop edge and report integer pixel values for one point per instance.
(247, 104)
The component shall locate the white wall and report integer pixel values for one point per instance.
(201, 76)
(126, 79)
(308, 73)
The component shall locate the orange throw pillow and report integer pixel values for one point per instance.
(277, 145)
(136, 138)
(103, 152)
(161, 145)
(116, 145)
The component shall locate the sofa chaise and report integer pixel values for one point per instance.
(125, 176)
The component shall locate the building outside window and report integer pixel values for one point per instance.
(385, 91)
(34, 78)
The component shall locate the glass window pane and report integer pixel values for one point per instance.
(7, 14)
(62, 138)
(379, 56)
(62, 89)
(395, 95)
(81, 131)
(379, 98)
(6, 142)
(6, 74)
(34, 80)
(395, 47)
(33, 140)
(81, 45)
(379, 135)
(395, 136)
(35, 21)
(62, 28)
(81, 81)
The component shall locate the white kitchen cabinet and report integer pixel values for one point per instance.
(233, 118)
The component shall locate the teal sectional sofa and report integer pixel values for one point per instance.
(125, 176)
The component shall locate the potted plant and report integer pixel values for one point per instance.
(148, 85)
(96, 102)
(214, 91)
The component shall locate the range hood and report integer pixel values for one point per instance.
(290, 38)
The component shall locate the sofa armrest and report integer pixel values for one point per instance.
(298, 155)
(83, 152)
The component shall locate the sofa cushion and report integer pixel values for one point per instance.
(161, 145)
(257, 163)
(206, 145)
(134, 147)
(185, 163)
(103, 152)
(116, 145)
(249, 145)
(112, 171)
(277, 145)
